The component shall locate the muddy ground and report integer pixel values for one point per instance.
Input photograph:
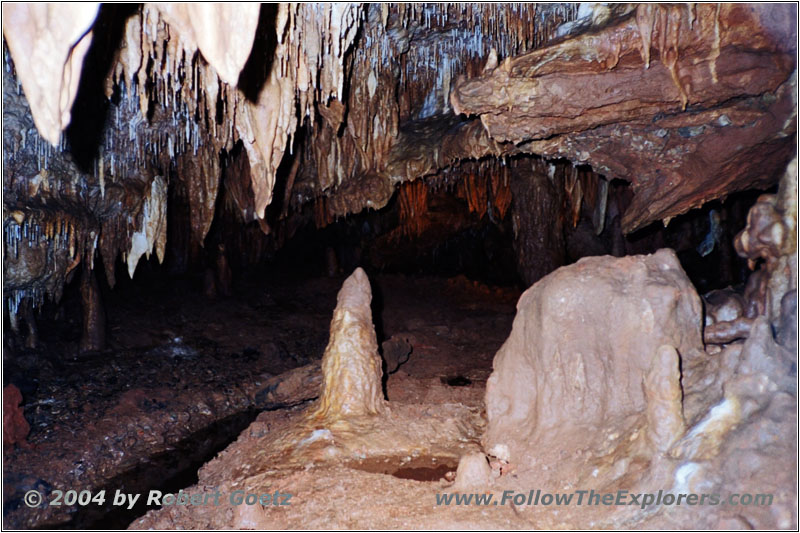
(184, 376)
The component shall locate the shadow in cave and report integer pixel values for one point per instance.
(257, 68)
(703, 240)
(84, 134)
(175, 470)
(377, 310)
(377, 305)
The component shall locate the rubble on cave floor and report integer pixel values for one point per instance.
(507, 142)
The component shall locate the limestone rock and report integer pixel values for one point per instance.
(396, 352)
(771, 236)
(587, 351)
(662, 389)
(54, 38)
(473, 472)
(616, 99)
(351, 365)
(210, 27)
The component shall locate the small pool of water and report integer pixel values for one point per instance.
(422, 468)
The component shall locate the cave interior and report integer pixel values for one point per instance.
(369, 254)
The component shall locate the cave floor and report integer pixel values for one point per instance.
(184, 375)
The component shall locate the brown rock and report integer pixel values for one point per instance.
(94, 317)
(15, 427)
(771, 235)
(688, 104)
(396, 351)
(662, 390)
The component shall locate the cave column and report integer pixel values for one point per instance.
(536, 209)
(93, 337)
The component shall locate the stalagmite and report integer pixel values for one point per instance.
(472, 474)
(495, 144)
(566, 376)
(351, 365)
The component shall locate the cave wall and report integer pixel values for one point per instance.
(687, 103)
(162, 99)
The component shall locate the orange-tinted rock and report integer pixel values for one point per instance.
(686, 103)
(771, 236)
(15, 427)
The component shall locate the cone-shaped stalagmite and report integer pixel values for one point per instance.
(351, 365)
(595, 344)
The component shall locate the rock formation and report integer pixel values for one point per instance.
(594, 344)
(207, 138)
(771, 236)
(472, 474)
(604, 381)
(336, 105)
(351, 365)
(15, 427)
(668, 98)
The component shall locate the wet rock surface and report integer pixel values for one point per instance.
(15, 427)
(345, 470)
(680, 419)
(172, 373)
(508, 137)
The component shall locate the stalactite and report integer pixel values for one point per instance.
(401, 71)
(174, 108)
(54, 39)
(632, 121)
(152, 233)
(501, 192)
(322, 215)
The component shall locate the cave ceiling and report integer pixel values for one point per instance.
(107, 106)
